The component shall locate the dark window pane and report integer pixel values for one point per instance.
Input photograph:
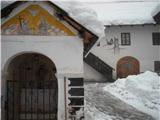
(76, 92)
(76, 101)
(156, 38)
(157, 66)
(125, 39)
(76, 81)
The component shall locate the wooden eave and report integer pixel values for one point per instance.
(131, 25)
(8, 9)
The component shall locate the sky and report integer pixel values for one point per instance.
(111, 0)
(99, 0)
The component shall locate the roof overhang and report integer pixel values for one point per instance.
(132, 25)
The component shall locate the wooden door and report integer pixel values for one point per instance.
(127, 66)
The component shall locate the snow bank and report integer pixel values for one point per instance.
(92, 113)
(141, 91)
(91, 110)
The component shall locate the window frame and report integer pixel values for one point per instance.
(155, 38)
(156, 66)
(126, 38)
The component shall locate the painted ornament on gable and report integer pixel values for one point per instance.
(34, 20)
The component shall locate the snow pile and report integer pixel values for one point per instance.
(92, 113)
(84, 15)
(141, 91)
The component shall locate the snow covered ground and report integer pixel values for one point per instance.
(142, 92)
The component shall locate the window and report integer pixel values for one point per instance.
(156, 38)
(125, 39)
(157, 66)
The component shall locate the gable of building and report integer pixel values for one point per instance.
(35, 20)
(69, 27)
(89, 38)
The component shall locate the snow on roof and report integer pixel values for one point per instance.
(6, 3)
(82, 14)
(78, 11)
(125, 13)
(156, 10)
(94, 15)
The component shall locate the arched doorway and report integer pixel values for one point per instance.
(32, 90)
(127, 66)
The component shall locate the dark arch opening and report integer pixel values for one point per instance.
(32, 88)
(31, 66)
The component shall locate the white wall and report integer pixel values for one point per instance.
(90, 74)
(66, 52)
(141, 46)
(61, 99)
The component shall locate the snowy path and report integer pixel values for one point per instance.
(110, 107)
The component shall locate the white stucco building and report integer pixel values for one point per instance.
(138, 45)
(47, 52)
(42, 62)
(131, 34)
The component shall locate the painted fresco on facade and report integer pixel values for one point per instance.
(34, 20)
